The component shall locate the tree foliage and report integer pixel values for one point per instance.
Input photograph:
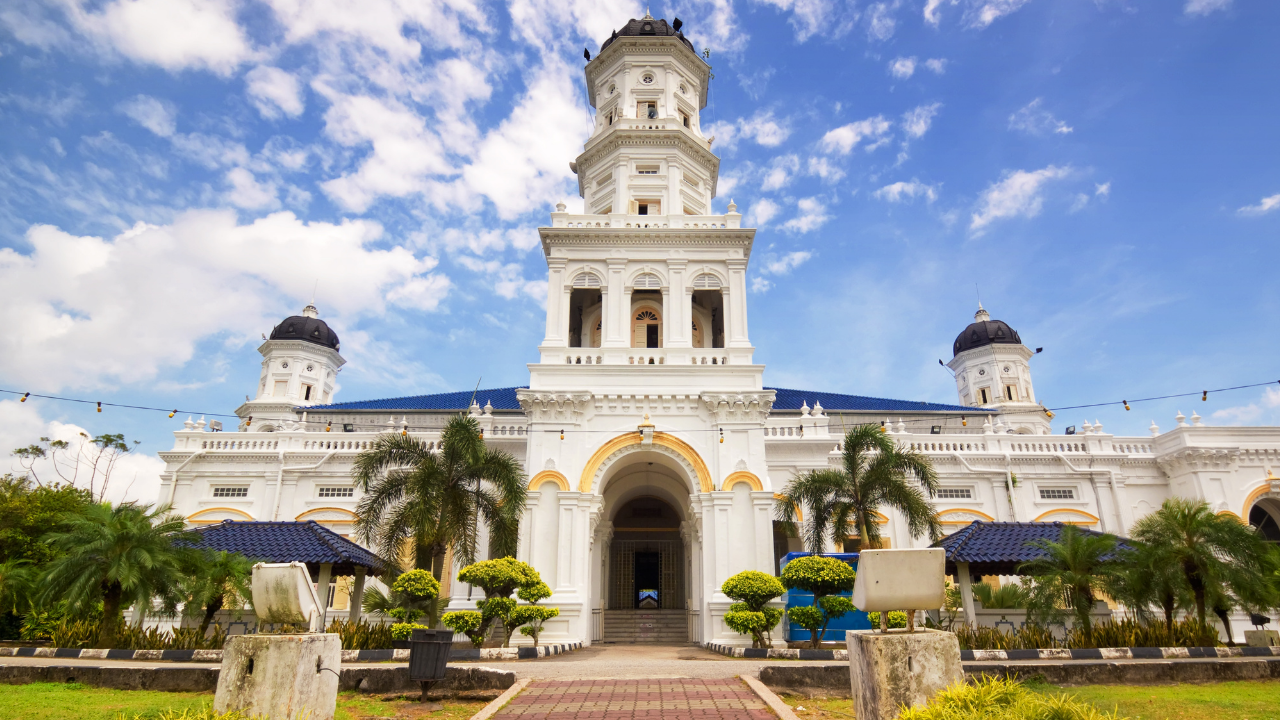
(824, 577)
(435, 499)
(1076, 568)
(466, 622)
(216, 579)
(28, 511)
(500, 578)
(751, 615)
(842, 503)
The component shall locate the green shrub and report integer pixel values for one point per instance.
(751, 615)
(897, 619)
(529, 619)
(808, 617)
(361, 635)
(84, 633)
(1123, 633)
(404, 631)
(999, 699)
(534, 593)
(417, 585)
(818, 575)
(467, 622)
(499, 579)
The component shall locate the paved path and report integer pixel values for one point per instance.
(632, 661)
(669, 699)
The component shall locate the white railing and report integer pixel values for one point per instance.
(619, 220)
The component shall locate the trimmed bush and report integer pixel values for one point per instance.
(897, 619)
(999, 699)
(466, 622)
(751, 615)
(417, 585)
(824, 577)
(404, 631)
(529, 619)
(499, 579)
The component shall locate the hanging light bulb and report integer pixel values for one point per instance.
(24, 397)
(1205, 396)
(481, 433)
(562, 434)
(1048, 414)
(404, 432)
(964, 421)
(328, 426)
(172, 413)
(1126, 404)
(721, 436)
(883, 429)
(99, 407)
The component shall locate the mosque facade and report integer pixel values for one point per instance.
(652, 445)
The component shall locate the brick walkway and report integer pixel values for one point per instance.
(674, 699)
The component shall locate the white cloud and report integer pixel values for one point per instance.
(785, 263)
(274, 92)
(1204, 7)
(173, 34)
(937, 66)
(880, 20)
(380, 24)
(825, 169)
(761, 212)
(1019, 194)
(900, 191)
(982, 13)
(1266, 205)
(1034, 120)
(158, 116)
(506, 278)
(135, 476)
(246, 192)
(763, 128)
(817, 17)
(916, 122)
(1251, 413)
(88, 312)
(903, 67)
(1100, 191)
(760, 285)
(812, 214)
(781, 170)
(931, 15)
(845, 138)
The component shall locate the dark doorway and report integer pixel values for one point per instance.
(651, 336)
(1267, 528)
(648, 579)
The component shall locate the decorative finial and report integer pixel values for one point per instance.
(646, 423)
(310, 311)
(1155, 429)
(733, 207)
(561, 207)
(1182, 419)
(982, 315)
(647, 16)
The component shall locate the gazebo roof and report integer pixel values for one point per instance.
(307, 542)
(998, 548)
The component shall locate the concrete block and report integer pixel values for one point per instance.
(280, 676)
(1262, 638)
(888, 671)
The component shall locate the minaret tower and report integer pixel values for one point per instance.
(300, 363)
(993, 373)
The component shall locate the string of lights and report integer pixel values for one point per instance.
(930, 421)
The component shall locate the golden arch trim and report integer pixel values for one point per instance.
(982, 515)
(313, 511)
(195, 517)
(1087, 518)
(548, 476)
(742, 476)
(682, 448)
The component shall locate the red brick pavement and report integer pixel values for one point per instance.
(676, 699)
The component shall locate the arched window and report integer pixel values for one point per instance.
(586, 280)
(648, 281)
(646, 329)
(706, 281)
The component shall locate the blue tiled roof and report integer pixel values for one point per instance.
(505, 399)
(793, 399)
(998, 548)
(308, 542)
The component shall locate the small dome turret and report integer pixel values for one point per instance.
(984, 331)
(648, 26)
(307, 327)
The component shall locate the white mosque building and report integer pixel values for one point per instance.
(652, 444)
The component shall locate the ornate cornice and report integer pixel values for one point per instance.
(624, 138)
(739, 407)
(1192, 459)
(547, 406)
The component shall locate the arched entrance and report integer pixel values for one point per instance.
(646, 574)
(1263, 515)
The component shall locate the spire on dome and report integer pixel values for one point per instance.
(647, 16)
(310, 310)
(982, 315)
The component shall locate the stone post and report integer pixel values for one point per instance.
(357, 596)
(888, 671)
(322, 592)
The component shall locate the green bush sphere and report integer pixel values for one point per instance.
(818, 575)
(754, 588)
(501, 577)
(403, 631)
(897, 619)
(808, 617)
(466, 622)
(418, 585)
(534, 593)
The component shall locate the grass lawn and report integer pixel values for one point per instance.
(1248, 700)
(55, 701)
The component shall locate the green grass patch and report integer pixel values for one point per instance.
(1244, 700)
(56, 701)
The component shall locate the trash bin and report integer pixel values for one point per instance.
(429, 654)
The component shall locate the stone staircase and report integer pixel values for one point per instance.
(667, 627)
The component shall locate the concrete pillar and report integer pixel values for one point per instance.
(617, 306)
(966, 593)
(557, 304)
(735, 302)
(322, 592)
(357, 596)
(568, 502)
(762, 518)
(677, 305)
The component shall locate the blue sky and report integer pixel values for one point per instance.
(178, 176)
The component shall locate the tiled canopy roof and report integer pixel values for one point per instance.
(505, 399)
(307, 542)
(998, 548)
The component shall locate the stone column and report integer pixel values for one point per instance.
(676, 303)
(762, 517)
(617, 306)
(557, 304)
(357, 596)
(568, 503)
(735, 303)
(966, 593)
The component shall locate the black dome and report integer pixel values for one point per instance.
(647, 26)
(307, 327)
(985, 331)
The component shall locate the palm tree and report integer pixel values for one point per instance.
(15, 585)
(218, 578)
(435, 499)
(1149, 576)
(841, 503)
(1212, 551)
(116, 555)
(1075, 568)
